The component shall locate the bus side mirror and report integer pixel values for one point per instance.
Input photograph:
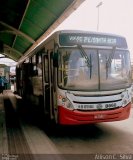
(55, 60)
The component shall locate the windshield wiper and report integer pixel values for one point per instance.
(84, 55)
(109, 61)
(88, 60)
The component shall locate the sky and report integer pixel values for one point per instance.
(8, 62)
(115, 16)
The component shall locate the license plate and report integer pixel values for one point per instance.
(99, 116)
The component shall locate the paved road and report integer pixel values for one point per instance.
(103, 138)
(114, 137)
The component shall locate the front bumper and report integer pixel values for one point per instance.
(68, 117)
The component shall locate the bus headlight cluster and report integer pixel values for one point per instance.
(125, 102)
(69, 104)
(65, 102)
(125, 98)
(132, 91)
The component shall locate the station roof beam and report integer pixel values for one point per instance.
(25, 23)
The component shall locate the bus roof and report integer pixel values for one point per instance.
(88, 32)
(74, 37)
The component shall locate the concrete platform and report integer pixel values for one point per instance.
(37, 140)
(3, 133)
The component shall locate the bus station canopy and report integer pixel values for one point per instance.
(25, 23)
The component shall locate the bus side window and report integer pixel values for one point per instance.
(34, 72)
(39, 65)
(46, 69)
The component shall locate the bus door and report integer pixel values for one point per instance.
(47, 85)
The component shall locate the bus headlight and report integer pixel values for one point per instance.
(65, 102)
(68, 104)
(125, 102)
(126, 98)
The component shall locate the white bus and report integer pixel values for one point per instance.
(78, 77)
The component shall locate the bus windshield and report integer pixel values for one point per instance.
(108, 69)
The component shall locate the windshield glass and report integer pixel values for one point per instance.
(115, 70)
(100, 70)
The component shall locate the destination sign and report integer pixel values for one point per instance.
(91, 39)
